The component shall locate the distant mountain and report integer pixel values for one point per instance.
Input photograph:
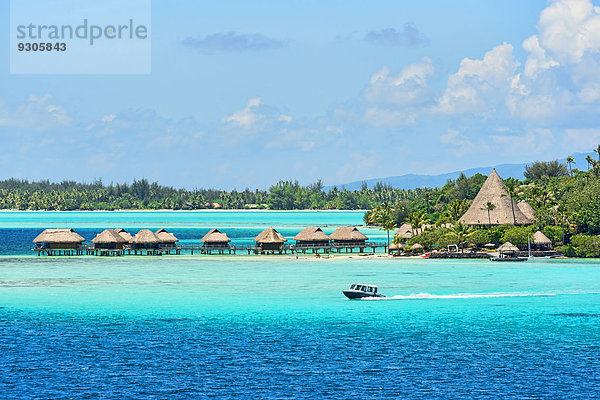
(413, 181)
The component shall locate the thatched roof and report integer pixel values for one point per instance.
(312, 234)
(527, 210)
(348, 233)
(145, 236)
(494, 191)
(109, 236)
(270, 235)
(124, 234)
(165, 237)
(508, 246)
(416, 246)
(215, 236)
(540, 238)
(59, 236)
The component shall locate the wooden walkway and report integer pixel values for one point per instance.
(88, 249)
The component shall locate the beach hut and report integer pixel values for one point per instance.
(417, 247)
(527, 210)
(124, 234)
(348, 237)
(505, 210)
(405, 231)
(508, 248)
(270, 240)
(311, 237)
(57, 241)
(395, 247)
(145, 240)
(541, 241)
(108, 239)
(215, 240)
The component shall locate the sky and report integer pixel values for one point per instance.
(243, 94)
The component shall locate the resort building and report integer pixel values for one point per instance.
(527, 210)
(311, 237)
(215, 240)
(108, 239)
(541, 241)
(270, 240)
(124, 234)
(504, 210)
(145, 240)
(58, 241)
(348, 236)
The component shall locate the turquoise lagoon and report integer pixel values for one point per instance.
(279, 327)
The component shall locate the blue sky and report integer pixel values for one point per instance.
(243, 94)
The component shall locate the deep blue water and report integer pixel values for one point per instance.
(225, 327)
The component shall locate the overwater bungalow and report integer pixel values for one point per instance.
(270, 240)
(145, 241)
(59, 241)
(168, 241)
(541, 241)
(215, 240)
(124, 234)
(108, 242)
(504, 211)
(348, 237)
(311, 238)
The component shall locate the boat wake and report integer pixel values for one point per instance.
(428, 296)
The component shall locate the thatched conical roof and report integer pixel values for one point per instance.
(508, 246)
(270, 235)
(540, 238)
(109, 236)
(59, 236)
(416, 246)
(215, 236)
(124, 234)
(165, 237)
(145, 236)
(494, 191)
(347, 233)
(527, 210)
(394, 246)
(312, 234)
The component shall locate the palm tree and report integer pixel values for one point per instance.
(416, 221)
(597, 151)
(489, 206)
(571, 160)
(462, 232)
(511, 191)
(589, 160)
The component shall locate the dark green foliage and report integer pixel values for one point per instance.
(582, 246)
(545, 169)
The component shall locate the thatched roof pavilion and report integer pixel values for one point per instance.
(494, 191)
(270, 239)
(348, 235)
(108, 239)
(145, 239)
(215, 238)
(541, 240)
(166, 237)
(416, 246)
(527, 210)
(312, 236)
(59, 239)
(124, 234)
(508, 247)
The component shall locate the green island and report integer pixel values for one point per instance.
(555, 199)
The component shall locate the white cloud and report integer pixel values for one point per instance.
(381, 117)
(107, 119)
(409, 87)
(459, 143)
(39, 113)
(535, 141)
(285, 118)
(479, 85)
(248, 117)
